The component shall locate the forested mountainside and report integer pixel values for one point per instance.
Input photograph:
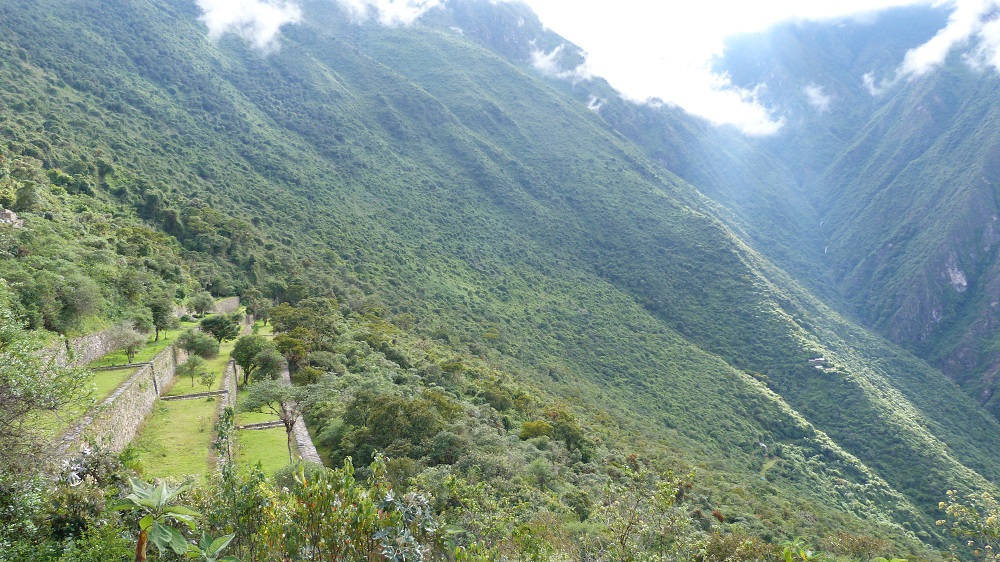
(484, 234)
(903, 180)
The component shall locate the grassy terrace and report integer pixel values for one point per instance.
(176, 439)
(146, 353)
(266, 446)
(104, 383)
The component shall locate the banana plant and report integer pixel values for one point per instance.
(155, 503)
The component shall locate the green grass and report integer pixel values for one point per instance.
(146, 353)
(261, 330)
(266, 446)
(176, 438)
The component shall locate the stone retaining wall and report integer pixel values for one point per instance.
(115, 422)
(227, 305)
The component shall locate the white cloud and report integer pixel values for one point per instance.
(548, 64)
(817, 98)
(973, 21)
(257, 21)
(390, 13)
(662, 50)
(594, 103)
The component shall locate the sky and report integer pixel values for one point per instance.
(661, 49)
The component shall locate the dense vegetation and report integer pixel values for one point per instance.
(546, 330)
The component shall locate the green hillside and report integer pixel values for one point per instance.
(457, 228)
(904, 182)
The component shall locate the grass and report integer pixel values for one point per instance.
(146, 353)
(261, 330)
(265, 446)
(176, 438)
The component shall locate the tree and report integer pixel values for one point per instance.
(245, 352)
(222, 327)
(293, 348)
(975, 520)
(270, 364)
(31, 382)
(198, 343)
(162, 309)
(125, 337)
(286, 402)
(201, 303)
(193, 367)
(207, 378)
(155, 503)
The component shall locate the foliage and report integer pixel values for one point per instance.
(194, 367)
(198, 343)
(222, 327)
(246, 351)
(31, 382)
(201, 303)
(974, 519)
(127, 338)
(154, 503)
(209, 549)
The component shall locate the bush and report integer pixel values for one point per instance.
(537, 428)
(198, 343)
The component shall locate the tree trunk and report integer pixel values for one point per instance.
(140, 547)
(289, 426)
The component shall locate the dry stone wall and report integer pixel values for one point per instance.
(115, 422)
(227, 305)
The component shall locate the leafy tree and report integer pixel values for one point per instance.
(207, 378)
(31, 382)
(245, 352)
(201, 303)
(286, 402)
(974, 519)
(155, 503)
(161, 307)
(270, 364)
(193, 368)
(198, 343)
(125, 337)
(292, 348)
(221, 326)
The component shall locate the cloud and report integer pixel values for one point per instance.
(817, 98)
(594, 103)
(257, 21)
(966, 24)
(549, 64)
(390, 13)
(974, 25)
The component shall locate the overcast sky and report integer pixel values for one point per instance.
(661, 48)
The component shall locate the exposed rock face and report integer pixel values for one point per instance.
(10, 217)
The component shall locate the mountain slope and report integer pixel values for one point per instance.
(907, 196)
(473, 198)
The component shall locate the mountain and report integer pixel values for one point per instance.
(904, 182)
(667, 282)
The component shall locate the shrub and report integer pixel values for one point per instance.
(198, 343)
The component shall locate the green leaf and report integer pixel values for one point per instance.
(125, 504)
(219, 544)
(146, 522)
(165, 537)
